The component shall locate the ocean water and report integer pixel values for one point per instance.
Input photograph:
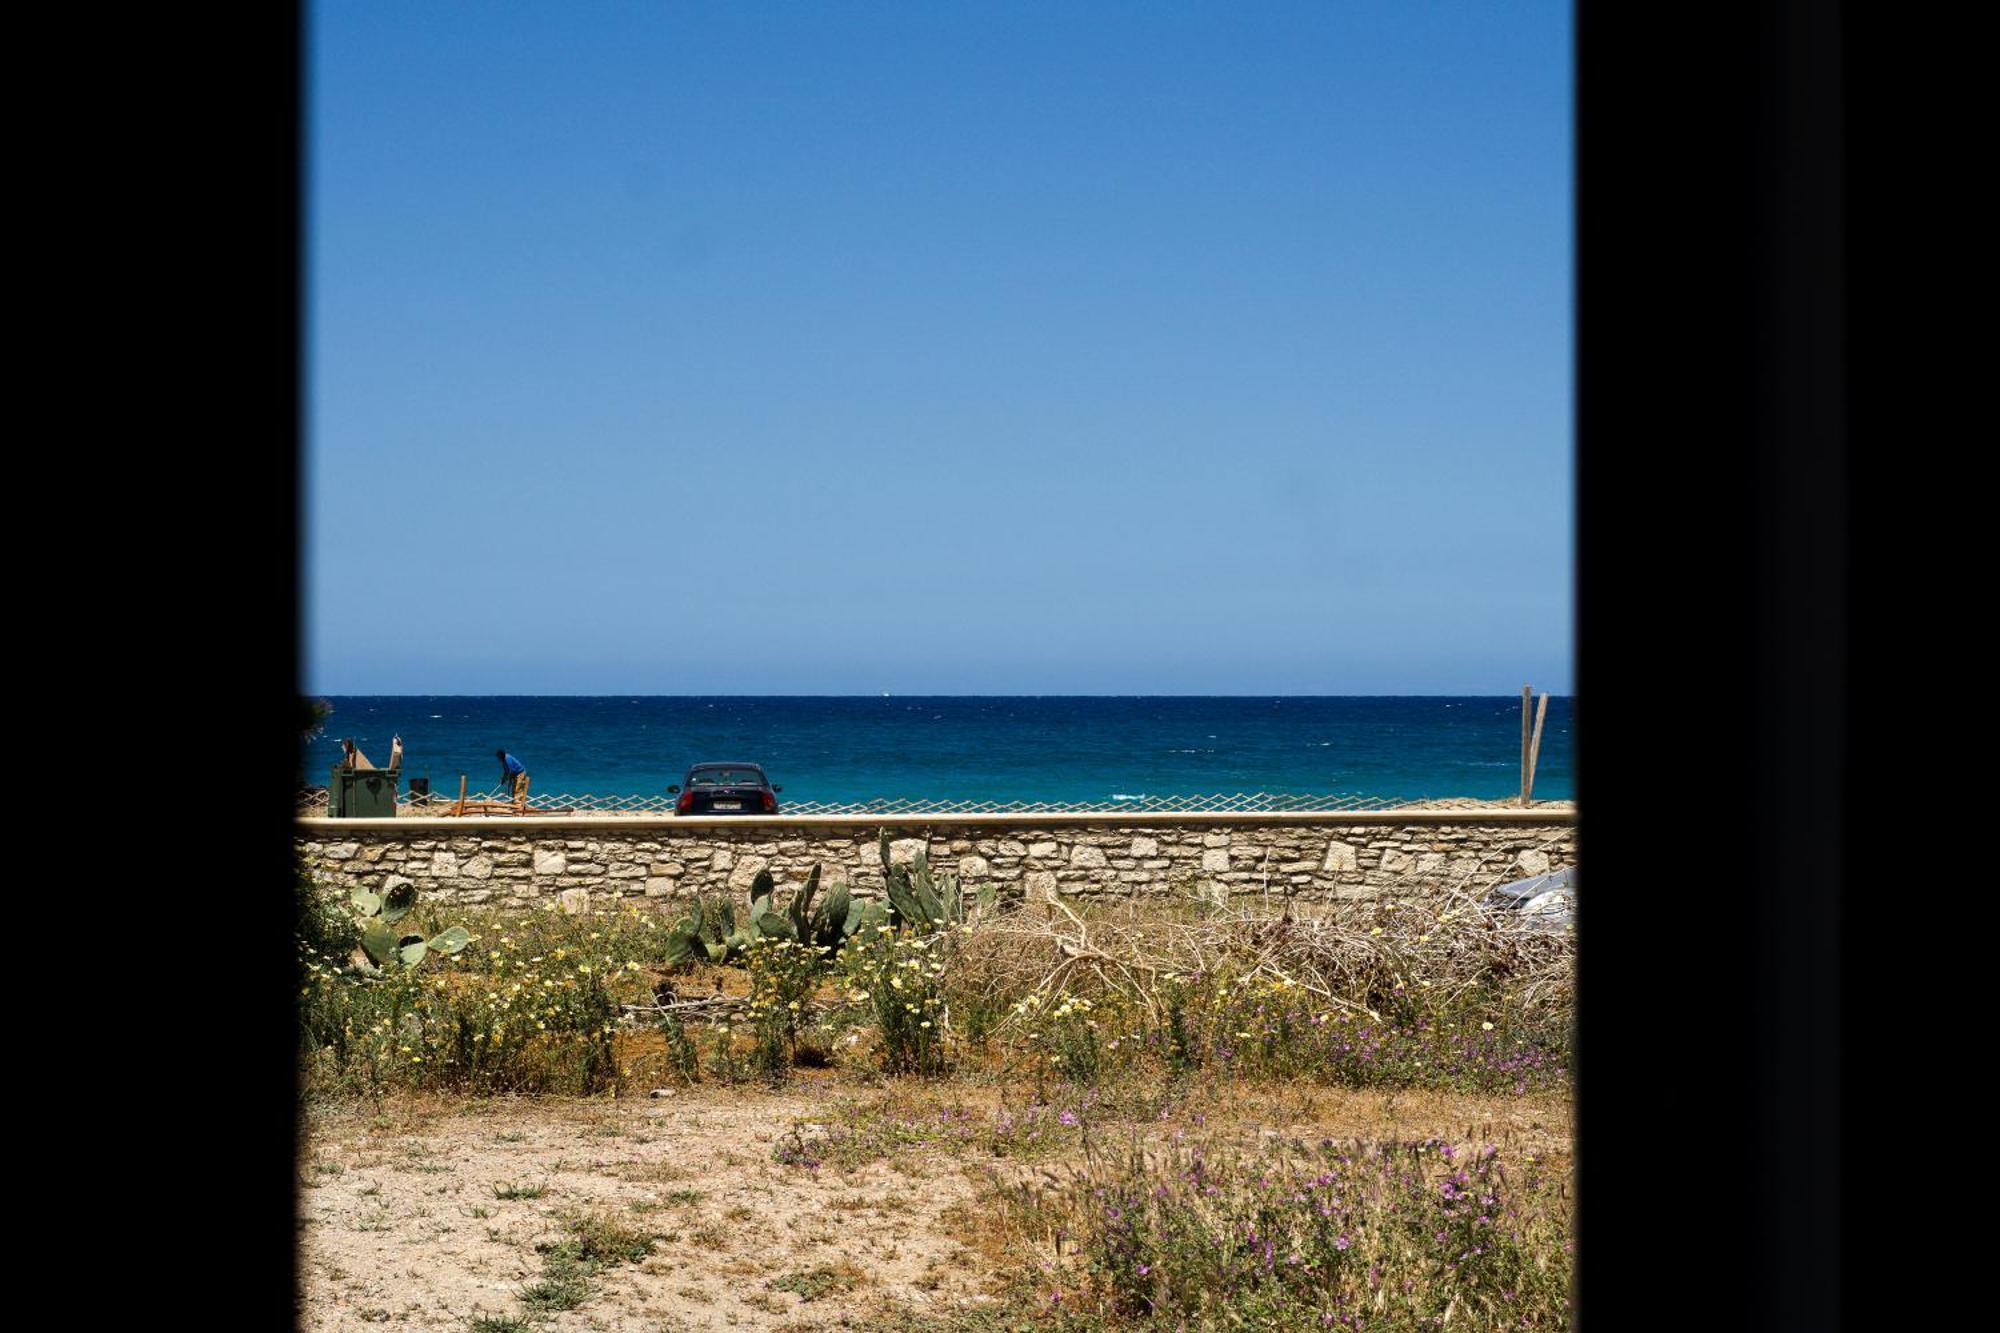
(1012, 748)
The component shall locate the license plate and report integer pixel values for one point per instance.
(727, 805)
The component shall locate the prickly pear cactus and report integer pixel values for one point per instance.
(382, 944)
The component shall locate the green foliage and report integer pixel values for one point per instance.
(681, 1052)
(313, 714)
(324, 927)
(1204, 1235)
(570, 1266)
(899, 975)
(531, 1013)
(1069, 1038)
(711, 933)
(376, 916)
(925, 902)
(783, 975)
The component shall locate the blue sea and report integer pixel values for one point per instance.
(1011, 748)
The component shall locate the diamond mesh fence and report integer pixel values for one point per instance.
(314, 802)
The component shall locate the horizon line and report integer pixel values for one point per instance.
(886, 694)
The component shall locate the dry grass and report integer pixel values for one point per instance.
(1346, 955)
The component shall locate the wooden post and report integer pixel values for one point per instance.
(459, 809)
(1521, 798)
(1535, 749)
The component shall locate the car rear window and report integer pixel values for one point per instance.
(725, 777)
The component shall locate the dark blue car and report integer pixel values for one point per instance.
(726, 789)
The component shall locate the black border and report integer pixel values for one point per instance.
(1713, 637)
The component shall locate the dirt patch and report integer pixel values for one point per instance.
(426, 1212)
(427, 1220)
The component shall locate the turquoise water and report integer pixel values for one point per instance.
(968, 748)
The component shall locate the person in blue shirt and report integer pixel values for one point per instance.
(513, 776)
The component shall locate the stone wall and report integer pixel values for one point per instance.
(1319, 857)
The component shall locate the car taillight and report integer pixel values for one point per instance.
(685, 803)
(770, 804)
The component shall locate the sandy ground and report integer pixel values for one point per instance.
(402, 1221)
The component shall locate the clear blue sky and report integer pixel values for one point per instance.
(939, 348)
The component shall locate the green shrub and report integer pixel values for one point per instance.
(898, 975)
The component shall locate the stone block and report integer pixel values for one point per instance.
(745, 870)
(1039, 886)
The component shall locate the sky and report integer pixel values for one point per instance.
(1074, 348)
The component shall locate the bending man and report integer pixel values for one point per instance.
(513, 777)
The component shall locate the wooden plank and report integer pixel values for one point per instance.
(1535, 750)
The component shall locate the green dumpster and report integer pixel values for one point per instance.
(366, 793)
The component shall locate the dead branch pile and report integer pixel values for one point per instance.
(1344, 954)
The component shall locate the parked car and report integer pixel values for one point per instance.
(725, 789)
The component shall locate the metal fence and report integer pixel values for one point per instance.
(315, 803)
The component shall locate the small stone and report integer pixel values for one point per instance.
(661, 1092)
(1215, 858)
(1085, 856)
(574, 901)
(550, 861)
(1143, 847)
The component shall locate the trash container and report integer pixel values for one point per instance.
(364, 793)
